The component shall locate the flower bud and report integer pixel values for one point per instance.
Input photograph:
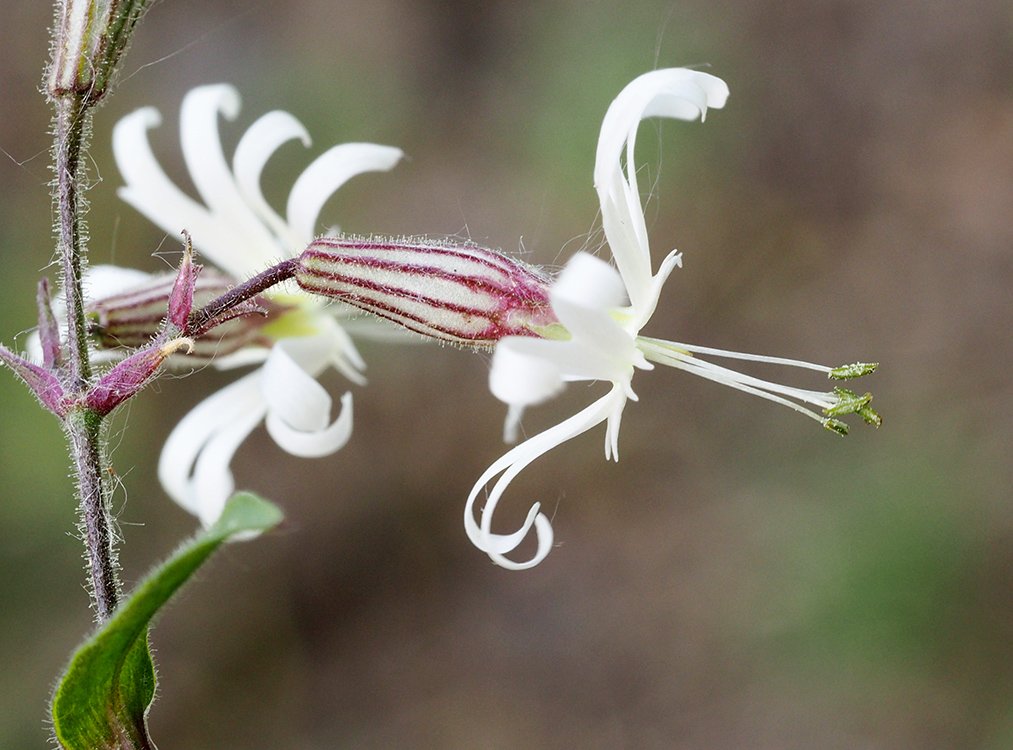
(89, 38)
(132, 318)
(461, 293)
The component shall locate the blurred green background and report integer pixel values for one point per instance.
(741, 578)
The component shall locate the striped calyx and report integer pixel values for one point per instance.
(132, 318)
(461, 293)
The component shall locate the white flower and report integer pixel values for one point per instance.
(237, 230)
(603, 309)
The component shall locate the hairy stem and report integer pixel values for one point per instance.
(84, 430)
(83, 427)
(70, 132)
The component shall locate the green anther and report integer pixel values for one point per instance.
(848, 402)
(856, 370)
(868, 414)
(836, 425)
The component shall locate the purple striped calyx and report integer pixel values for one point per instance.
(133, 317)
(462, 293)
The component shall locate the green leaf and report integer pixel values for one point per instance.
(103, 698)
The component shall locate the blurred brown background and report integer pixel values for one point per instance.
(741, 578)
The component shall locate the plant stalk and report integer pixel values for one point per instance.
(83, 427)
(84, 430)
(70, 132)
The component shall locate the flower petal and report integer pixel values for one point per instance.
(148, 188)
(510, 465)
(290, 389)
(591, 282)
(243, 244)
(316, 443)
(248, 355)
(522, 375)
(213, 483)
(107, 280)
(612, 422)
(527, 371)
(256, 146)
(325, 175)
(299, 408)
(643, 314)
(345, 357)
(217, 425)
(677, 93)
(512, 423)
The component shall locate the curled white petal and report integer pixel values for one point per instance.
(313, 443)
(677, 93)
(256, 146)
(325, 175)
(299, 408)
(496, 545)
(344, 356)
(220, 423)
(213, 484)
(249, 244)
(148, 189)
(291, 391)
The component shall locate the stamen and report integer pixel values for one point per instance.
(713, 372)
(751, 357)
(839, 402)
(670, 357)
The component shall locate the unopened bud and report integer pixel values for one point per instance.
(89, 39)
(462, 293)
